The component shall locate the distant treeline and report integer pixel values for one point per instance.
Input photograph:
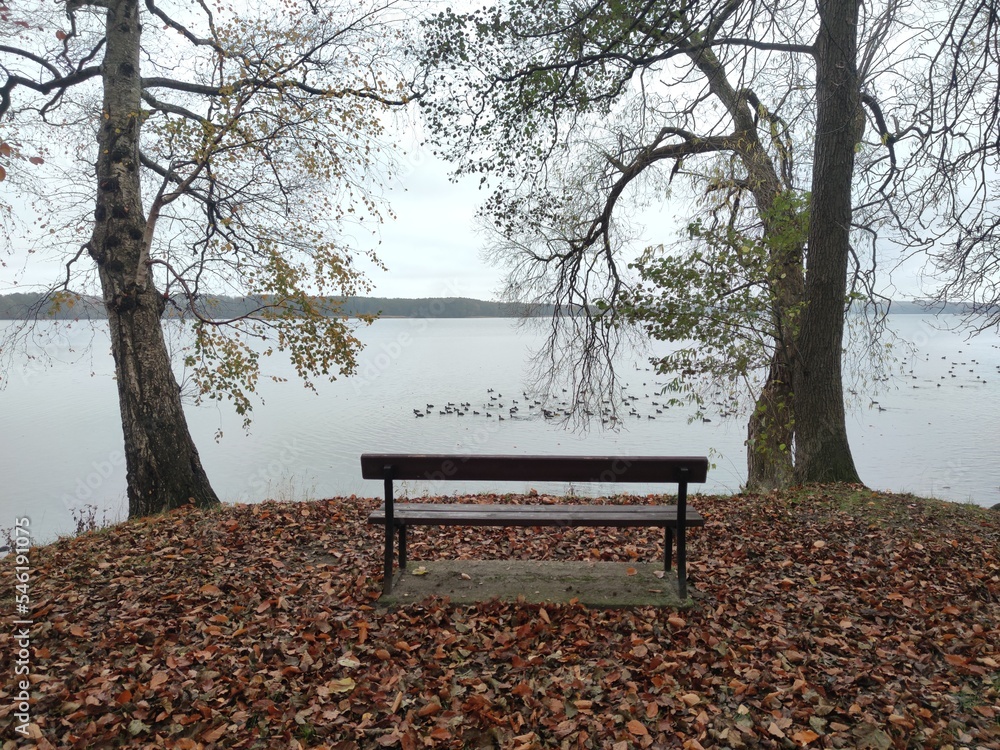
(83, 307)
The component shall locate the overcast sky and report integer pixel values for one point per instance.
(433, 246)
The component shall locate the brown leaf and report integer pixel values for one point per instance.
(341, 685)
(805, 736)
(637, 728)
(158, 679)
(429, 709)
(213, 735)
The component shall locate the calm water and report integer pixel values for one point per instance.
(60, 441)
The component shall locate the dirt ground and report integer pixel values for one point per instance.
(594, 584)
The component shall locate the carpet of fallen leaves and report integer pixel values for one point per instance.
(824, 617)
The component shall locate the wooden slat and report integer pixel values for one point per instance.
(605, 469)
(492, 514)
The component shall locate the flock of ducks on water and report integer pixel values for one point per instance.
(977, 380)
(557, 406)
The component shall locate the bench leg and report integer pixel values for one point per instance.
(387, 580)
(668, 548)
(681, 563)
(390, 530)
(402, 547)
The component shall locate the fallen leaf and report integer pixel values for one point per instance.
(341, 685)
(158, 679)
(805, 736)
(637, 728)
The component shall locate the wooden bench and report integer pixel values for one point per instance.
(674, 519)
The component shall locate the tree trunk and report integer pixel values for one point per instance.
(770, 431)
(822, 452)
(771, 426)
(163, 467)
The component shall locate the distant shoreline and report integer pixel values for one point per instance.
(85, 307)
(17, 306)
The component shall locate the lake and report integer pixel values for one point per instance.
(932, 430)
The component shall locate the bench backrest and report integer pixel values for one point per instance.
(605, 469)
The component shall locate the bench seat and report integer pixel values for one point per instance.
(490, 514)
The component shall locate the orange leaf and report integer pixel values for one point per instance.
(631, 572)
(522, 689)
(429, 709)
(36, 160)
(805, 736)
(124, 696)
(953, 659)
(210, 589)
(77, 630)
(636, 727)
(158, 679)
(677, 622)
(214, 734)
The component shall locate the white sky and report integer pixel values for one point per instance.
(433, 247)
